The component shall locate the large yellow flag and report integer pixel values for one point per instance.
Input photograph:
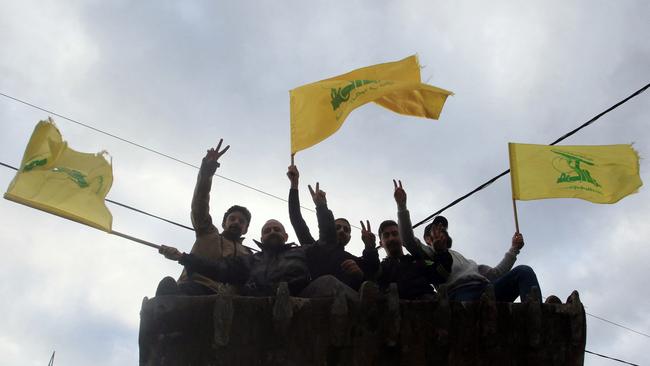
(319, 109)
(600, 174)
(61, 181)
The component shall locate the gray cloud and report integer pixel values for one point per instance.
(178, 76)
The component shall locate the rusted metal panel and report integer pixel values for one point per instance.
(215, 330)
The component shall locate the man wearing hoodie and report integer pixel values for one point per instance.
(210, 243)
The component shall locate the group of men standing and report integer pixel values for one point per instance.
(219, 263)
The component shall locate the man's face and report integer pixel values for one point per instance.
(273, 234)
(427, 238)
(390, 240)
(342, 232)
(236, 223)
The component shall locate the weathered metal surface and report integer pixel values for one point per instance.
(214, 330)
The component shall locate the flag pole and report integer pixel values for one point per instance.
(125, 236)
(292, 155)
(514, 207)
(512, 184)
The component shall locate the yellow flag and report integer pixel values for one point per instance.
(319, 109)
(600, 174)
(61, 181)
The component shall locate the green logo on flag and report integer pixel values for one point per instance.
(340, 95)
(34, 163)
(571, 171)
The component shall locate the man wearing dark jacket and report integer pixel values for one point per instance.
(261, 273)
(413, 276)
(328, 255)
(210, 243)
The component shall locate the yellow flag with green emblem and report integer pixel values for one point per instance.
(56, 179)
(319, 109)
(600, 174)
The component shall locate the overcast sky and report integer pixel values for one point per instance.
(176, 76)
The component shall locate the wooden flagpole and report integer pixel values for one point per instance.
(514, 206)
(125, 236)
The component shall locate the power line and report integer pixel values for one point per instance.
(148, 214)
(136, 210)
(618, 325)
(51, 363)
(125, 206)
(143, 147)
(611, 358)
(484, 185)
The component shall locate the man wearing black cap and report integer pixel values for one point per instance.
(467, 279)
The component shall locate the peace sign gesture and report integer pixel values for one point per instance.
(367, 236)
(317, 195)
(210, 161)
(399, 194)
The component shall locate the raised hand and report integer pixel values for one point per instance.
(368, 238)
(293, 175)
(210, 161)
(170, 252)
(517, 241)
(439, 236)
(399, 194)
(317, 195)
(351, 267)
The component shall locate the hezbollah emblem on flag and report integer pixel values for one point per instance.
(600, 174)
(56, 179)
(571, 171)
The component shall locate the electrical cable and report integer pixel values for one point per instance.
(611, 358)
(568, 134)
(618, 325)
(143, 147)
(139, 211)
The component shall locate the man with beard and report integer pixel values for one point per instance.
(210, 243)
(467, 280)
(413, 273)
(328, 255)
(260, 274)
(413, 276)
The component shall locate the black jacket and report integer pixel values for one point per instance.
(414, 276)
(260, 273)
(325, 255)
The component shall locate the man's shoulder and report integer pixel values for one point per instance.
(348, 255)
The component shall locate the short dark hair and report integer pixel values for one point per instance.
(244, 211)
(385, 224)
(342, 219)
